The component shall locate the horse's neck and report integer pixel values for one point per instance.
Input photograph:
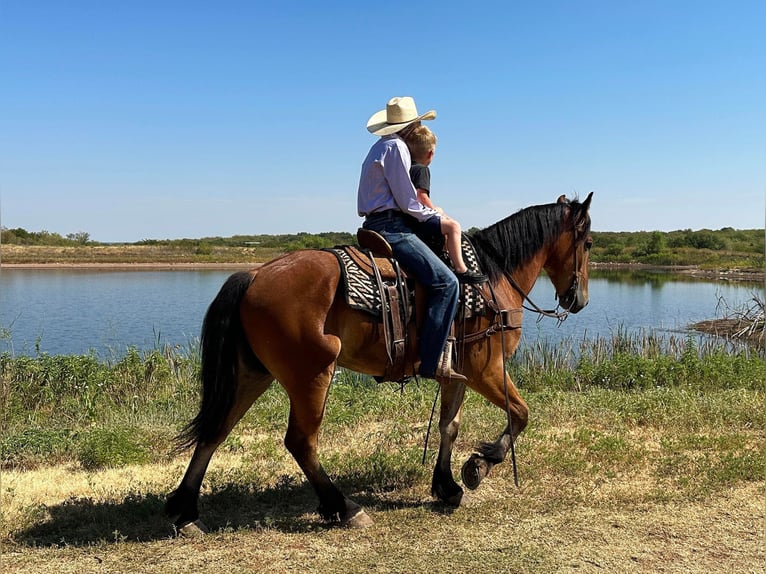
(526, 275)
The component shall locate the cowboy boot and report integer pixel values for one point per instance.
(444, 371)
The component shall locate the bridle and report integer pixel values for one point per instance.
(576, 273)
(571, 291)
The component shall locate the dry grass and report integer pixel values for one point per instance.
(171, 254)
(561, 519)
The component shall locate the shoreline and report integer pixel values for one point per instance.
(751, 275)
(139, 266)
(690, 270)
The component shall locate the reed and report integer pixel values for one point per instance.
(639, 360)
(52, 403)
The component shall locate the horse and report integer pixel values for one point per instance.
(287, 321)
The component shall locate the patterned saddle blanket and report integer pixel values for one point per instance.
(361, 289)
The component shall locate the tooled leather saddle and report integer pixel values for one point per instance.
(374, 282)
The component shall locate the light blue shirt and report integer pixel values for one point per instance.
(385, 181)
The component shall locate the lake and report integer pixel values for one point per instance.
(80, 311)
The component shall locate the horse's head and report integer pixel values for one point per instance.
(567, 262)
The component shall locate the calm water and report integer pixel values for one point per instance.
(74, 312)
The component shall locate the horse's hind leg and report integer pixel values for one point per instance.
(307, 405)
(443, 485)
(181, 505)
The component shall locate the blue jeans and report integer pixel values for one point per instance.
(439, 281)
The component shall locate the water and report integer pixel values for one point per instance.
(76, 312)
(638, 301)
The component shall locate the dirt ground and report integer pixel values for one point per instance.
(495, 531)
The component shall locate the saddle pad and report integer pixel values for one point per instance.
(360, 289)
(471, 301)
(362, 292)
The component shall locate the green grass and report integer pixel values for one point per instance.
(611, 462)
(126, 410)
(113, 447)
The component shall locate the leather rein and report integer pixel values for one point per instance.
(500, 315)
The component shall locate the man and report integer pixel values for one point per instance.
(388, 201)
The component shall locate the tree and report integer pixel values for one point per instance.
(656, 243)
(81, 237)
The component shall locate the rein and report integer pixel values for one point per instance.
(560, 316)
(500, 326)
(507, 399)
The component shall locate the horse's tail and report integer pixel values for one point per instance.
(222, 337)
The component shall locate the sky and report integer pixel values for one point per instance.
(171, 119)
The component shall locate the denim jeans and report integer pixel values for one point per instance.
(439, 281)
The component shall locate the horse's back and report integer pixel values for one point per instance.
(296, 280)
(293, 310)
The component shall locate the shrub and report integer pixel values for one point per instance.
(110, 448)
(32, 446)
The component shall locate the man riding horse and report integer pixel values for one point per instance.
(388, 201)
(286, 322)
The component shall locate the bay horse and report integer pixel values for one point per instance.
(287, 321)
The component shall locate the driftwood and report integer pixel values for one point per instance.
(746, 323)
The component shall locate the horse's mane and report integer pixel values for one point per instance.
(505, 245)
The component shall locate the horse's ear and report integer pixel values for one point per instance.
(582, 216)
(562, 199)
(586, 203)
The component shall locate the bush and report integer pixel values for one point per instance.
(33, 446)
(112, 448)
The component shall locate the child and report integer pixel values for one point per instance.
(421, 142)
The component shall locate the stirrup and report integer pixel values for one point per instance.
(444, 371)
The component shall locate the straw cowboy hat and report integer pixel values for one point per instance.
(399, 113)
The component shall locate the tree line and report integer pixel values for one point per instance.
(681, 247)
(20, 236)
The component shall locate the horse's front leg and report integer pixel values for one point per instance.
(443, 485)
(480, 463)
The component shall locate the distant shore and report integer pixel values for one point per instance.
(690, 270)
(132, 266)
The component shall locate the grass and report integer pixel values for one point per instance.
(237, 250)
(174, 253)
(618, 473)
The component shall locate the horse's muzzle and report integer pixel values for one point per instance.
(575, 299)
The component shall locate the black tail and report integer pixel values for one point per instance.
(221, 338)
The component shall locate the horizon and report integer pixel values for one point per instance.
(291, 233)
(181, 119)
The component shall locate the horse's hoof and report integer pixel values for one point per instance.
(360, 520)
(453, 499)
(193, 529)
(474, 470)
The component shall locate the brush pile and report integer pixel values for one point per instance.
(745, 323)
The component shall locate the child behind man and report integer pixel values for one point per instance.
(422, 145)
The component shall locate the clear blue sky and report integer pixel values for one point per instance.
(169, 119)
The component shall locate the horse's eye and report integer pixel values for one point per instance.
(588, 243)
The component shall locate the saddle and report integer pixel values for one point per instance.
(395, 294)
(376, 284)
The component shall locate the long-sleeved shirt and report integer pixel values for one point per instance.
(385, 181)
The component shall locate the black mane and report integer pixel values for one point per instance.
(505, 245)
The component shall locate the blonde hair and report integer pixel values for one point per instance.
(421, 141)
